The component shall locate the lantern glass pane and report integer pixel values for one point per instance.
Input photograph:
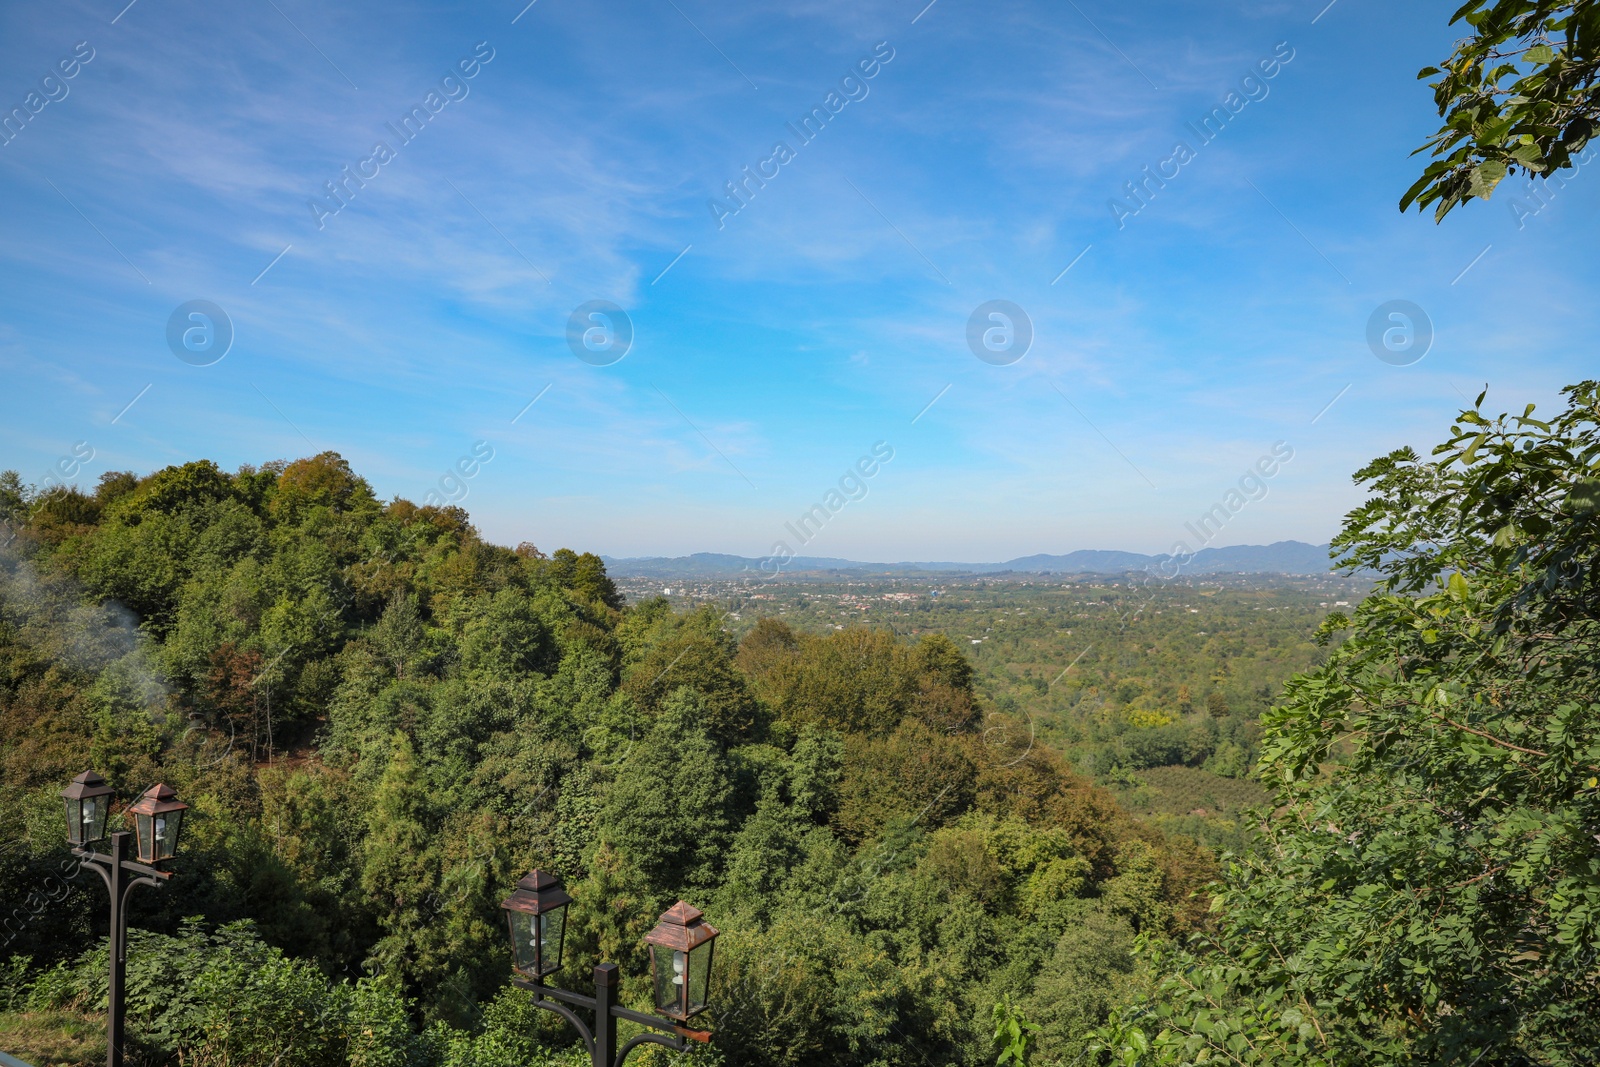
(668, 966)
(167, 825)
(74, 821)
(524, 945)
(158, 835)
(142, 832)
(553, 927)
(699, 977)
(93, 817)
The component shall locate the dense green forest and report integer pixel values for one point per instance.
(1153, 688)
(381, 721)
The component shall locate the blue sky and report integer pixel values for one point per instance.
(581, 161)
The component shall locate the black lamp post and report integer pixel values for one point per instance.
(680, 964)
(157, 816)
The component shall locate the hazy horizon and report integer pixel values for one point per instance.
(908, 559)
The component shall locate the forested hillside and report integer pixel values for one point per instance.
(1152, 686)
(381, 721)
(1427, 887)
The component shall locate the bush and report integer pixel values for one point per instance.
(226, 999)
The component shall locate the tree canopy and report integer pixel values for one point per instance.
(1427, 887)
(382, 720)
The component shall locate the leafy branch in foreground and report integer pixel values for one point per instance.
(1519, 94)
(1428, 888)
(1013, 1033)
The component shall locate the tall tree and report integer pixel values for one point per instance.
(1428, 890)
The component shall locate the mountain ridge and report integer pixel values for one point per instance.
(1280, 557)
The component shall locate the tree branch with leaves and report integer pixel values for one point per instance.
(1518, 95)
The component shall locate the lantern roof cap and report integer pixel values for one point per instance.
(681, 928)
(537, 880)
(87, 784)
(157, 800)
(537, 892)
(681, 914)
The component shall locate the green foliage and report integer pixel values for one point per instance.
(13, 985)
(857, 680)
(507, 1037)
(1013, 1033)
(225, 999)
(509, 636)
(762, 858)
(807, 991)
(816, 771)
(1430, 891)
(668, 809)
(1120, 674)
(1200, 803)
(381, 721)
(703, 664)
(1089, 972)
(1518, 93)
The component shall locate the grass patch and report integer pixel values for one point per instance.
(54, 1038)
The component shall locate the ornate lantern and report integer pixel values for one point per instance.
(537, 916)
(88, 801)
(680, 961)
(157, 817)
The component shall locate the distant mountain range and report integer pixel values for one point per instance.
(1282, 557)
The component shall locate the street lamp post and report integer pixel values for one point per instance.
(157, 817)
(680, 964)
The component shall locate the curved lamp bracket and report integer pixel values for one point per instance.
(97, 863)
(567, 1014)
